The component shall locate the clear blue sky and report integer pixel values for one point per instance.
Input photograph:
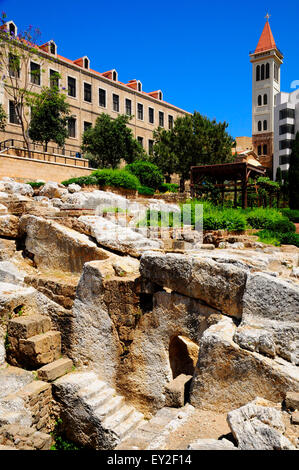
(195, 51)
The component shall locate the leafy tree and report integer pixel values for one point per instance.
(278, 178)
(16, 53)
(294, 174)
(3, 118)
(49, 116)
(111, 140)
(163, 154)
(194, 140)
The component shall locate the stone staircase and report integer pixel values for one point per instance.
(90, 403)
(152, 434)
(110, 422)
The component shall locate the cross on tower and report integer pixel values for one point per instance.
(267, 16)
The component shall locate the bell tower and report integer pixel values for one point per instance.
(266, 61)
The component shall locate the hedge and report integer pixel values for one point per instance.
(148, 174)
(116, 178)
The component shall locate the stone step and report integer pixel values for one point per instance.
(109, 407)
(118, 417)
(104, 413)
(79, 379)
(134, 420)
(150, 435)
(55, 369)
(26, 326)
(92, 390)
(101, 397)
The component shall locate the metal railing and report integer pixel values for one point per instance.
(52, 154)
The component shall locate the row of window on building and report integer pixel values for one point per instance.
(262, 150)
(35, 73)
(262, 126)
(262, 101)
(72, 126)
(263, 72)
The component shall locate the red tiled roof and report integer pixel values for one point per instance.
(266, 41)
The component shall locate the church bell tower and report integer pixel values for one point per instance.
(266, 61)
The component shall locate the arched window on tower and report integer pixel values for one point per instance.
(52, 48)
(276, 72)
(265, 149)
(265, 99)
(258, 73)
(12, 29)
(265, 125)
(259, 100)
(267, 70)
(263, 72)
(259, 126)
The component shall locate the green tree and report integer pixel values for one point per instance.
(163, 153)
(294, 174)
(278, 178)
(49, 117)
(109, 141)
(194, 140)
(3, 118)
(16, 53)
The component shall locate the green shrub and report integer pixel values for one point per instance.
(270, 219)
(116, 178)
(268, 237)
(146, 191)
(283, 225)
(36, 184)
(148, 174)
(169, 187)
(81, 180)
(278, 238)
(290, 238)
(291, 214)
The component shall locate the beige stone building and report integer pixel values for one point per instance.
(90, 93)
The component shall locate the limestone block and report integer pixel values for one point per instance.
(9, 226)
(7, 249)
(295, 417)
(24, 438)
(74, 188)
(270, 321)
(258, 428)
(58, 247)
(219, 284)
(292, 401)
(26, 326)
(55, 369)
(176, 391)
(116, 237)
(12, 187)
(53, 190)
(211, 444)
(228, 376)
(41, 349)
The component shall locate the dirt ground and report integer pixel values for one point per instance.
(200, 425)
(212, 425)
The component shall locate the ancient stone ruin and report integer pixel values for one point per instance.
(117, 339)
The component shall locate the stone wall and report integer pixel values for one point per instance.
(31, 170)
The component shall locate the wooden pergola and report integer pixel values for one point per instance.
(233, 177)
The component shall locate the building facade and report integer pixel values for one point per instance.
(89, 94)
(286, 120)
(266, 62)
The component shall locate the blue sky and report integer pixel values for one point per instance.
(195, 51)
